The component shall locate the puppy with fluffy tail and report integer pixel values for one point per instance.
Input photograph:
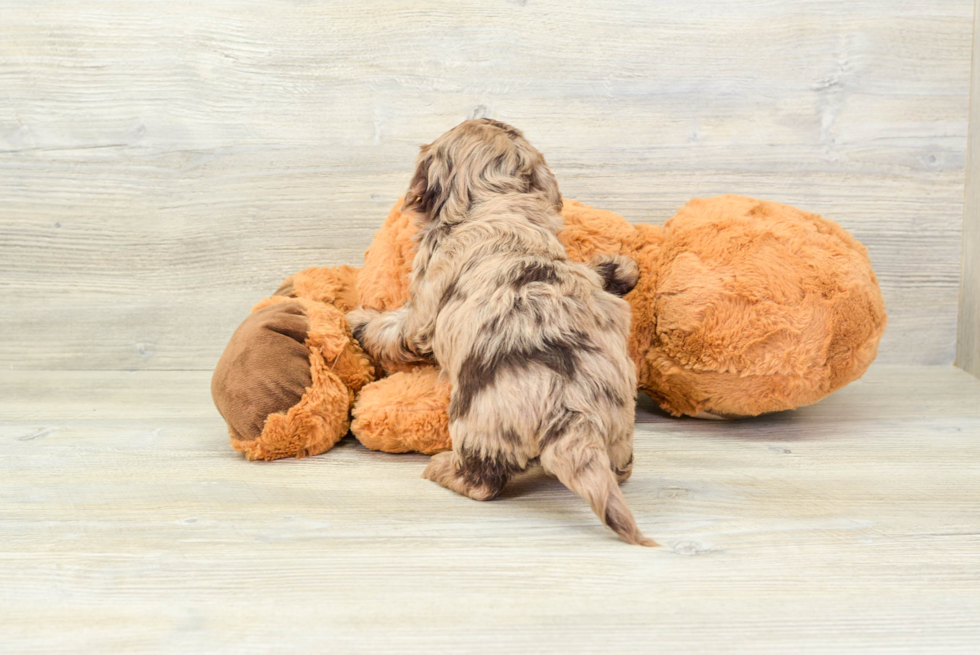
(534, 347)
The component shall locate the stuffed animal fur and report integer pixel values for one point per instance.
(742, 307)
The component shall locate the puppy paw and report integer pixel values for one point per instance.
(358, 320)
(619, 273)
(440, 468)
(623, 473)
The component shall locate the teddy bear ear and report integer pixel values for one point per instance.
(423, 197)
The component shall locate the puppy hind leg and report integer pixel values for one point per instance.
(620, 449)
(621, 459)
(478, 476)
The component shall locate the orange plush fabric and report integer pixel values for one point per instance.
(406, 413)
(298, 337)
(756, 307)
(742, 307)
(338, 370)
(383, 281)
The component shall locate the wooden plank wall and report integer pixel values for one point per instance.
(968, 343)
(164, 164)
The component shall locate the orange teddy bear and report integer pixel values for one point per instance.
(742, 307)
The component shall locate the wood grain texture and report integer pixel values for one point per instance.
(127, 524)
(164, 164)
(968, 342)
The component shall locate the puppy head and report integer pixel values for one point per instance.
(472, 162)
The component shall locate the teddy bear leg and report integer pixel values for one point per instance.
(273, 390)
(310, 427)
(287, 378)
(405, 412)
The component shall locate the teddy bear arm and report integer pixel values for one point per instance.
(333, 285)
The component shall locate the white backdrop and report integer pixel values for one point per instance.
(163, 165)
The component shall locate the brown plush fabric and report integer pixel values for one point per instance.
(288, 377)
(336, 367)
(287, 289)
(264, 369)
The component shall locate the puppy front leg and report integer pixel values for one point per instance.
(384, 335)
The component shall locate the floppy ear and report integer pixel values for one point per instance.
(543, 180)
(422, 197)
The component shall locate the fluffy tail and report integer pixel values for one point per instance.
(578, 458)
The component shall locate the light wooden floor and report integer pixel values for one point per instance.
(127, 524)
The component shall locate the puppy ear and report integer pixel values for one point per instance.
(543, 180)
(423, 197)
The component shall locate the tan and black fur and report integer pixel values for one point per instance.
(534, 347)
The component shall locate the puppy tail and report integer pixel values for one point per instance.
(578, 458)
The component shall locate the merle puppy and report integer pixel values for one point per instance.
(534, 347)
